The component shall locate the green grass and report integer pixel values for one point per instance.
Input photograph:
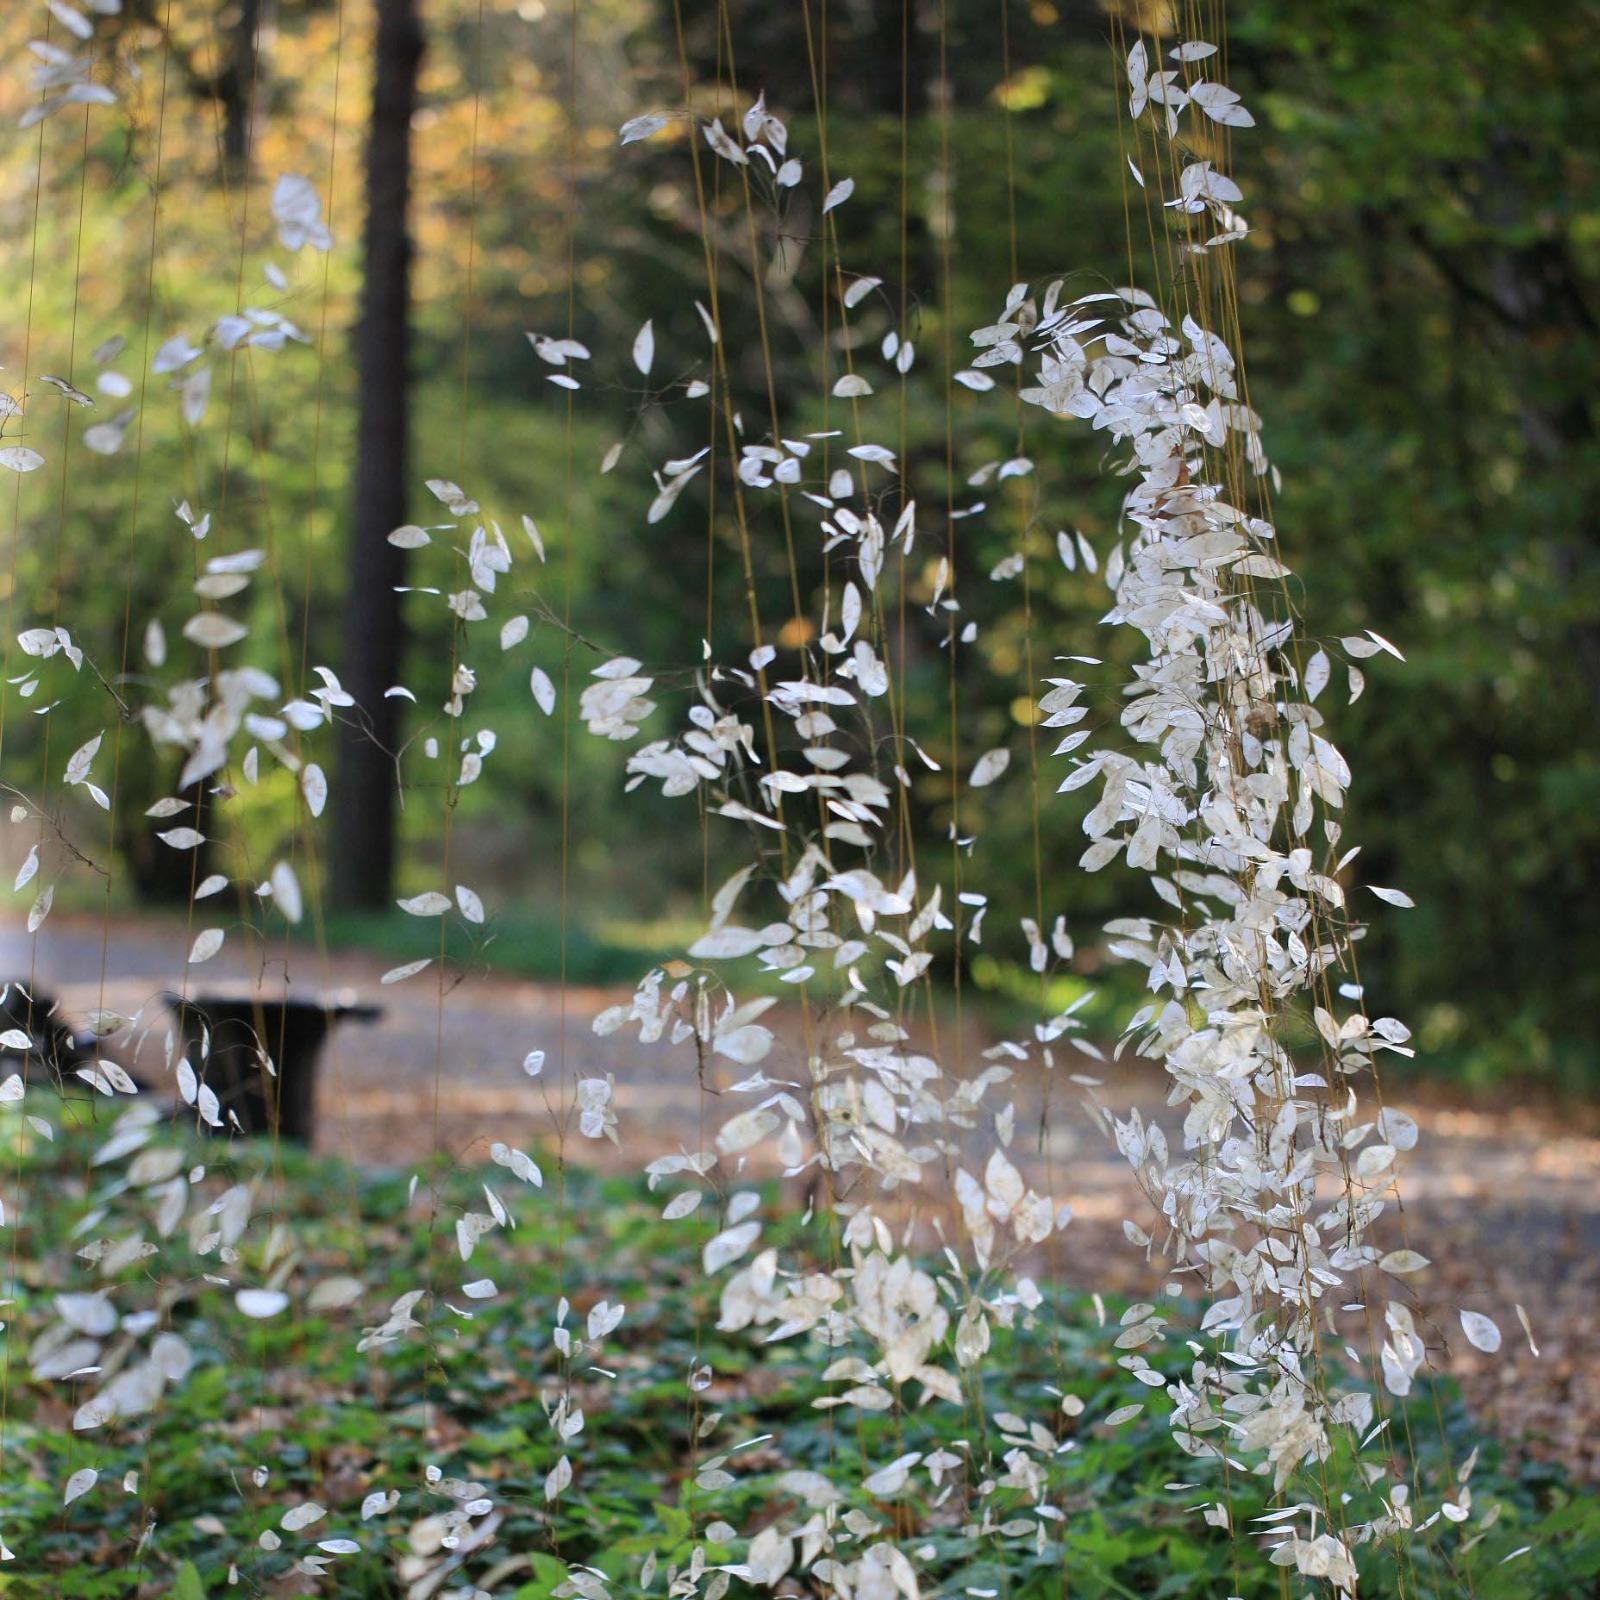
(293, 1394)
(524, 943)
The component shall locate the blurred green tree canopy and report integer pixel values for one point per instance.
(1419, 297)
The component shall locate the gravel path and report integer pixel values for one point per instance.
(1504, 1198)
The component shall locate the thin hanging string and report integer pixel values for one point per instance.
(721, 379)
(972, 1402)
(291, 662)
(808, 1023)
(1192, 283)
(895, 654)
(728, 58)
(1129, 162)
(830, 237)
(710, 251)
(833, 284)
(59, 539)
(692, 1407)
(302, 843)
(127, 603)
(834, 281)
(704, 1067)
(27, 368)
(300, 840)
(816, 1049)
(5, 695)
(240, 842)
(1339, 934)
(1029, 513)
(115, 792)
(899, 685)
(953, 630)
(58, 582)
(193, 476)
(977, 1405)
(252, 938)
(976, 1414)
(1227, 292)
(561, 1114)
(139, 1554)
(303, 837)
(903, 844)
(1024, 551)
(451, 738)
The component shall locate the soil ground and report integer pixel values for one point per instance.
(1503, 1195)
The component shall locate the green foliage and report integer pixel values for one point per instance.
(1419, 293)
(294, 1392)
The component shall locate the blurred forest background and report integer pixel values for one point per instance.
(1421, 291)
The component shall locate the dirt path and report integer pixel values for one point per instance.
(1504, 1198)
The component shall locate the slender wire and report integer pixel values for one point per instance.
(19, 1143)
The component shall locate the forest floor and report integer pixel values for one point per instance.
(1502, 1193)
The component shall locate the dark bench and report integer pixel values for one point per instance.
(26, 1008)
(242, 1031)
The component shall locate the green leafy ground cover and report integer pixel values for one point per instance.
(464, 1397)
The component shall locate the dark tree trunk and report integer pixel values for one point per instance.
(237, 86)
(364, 808)
(234, 81)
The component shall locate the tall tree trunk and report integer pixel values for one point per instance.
(238, 88)
(364, 816)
